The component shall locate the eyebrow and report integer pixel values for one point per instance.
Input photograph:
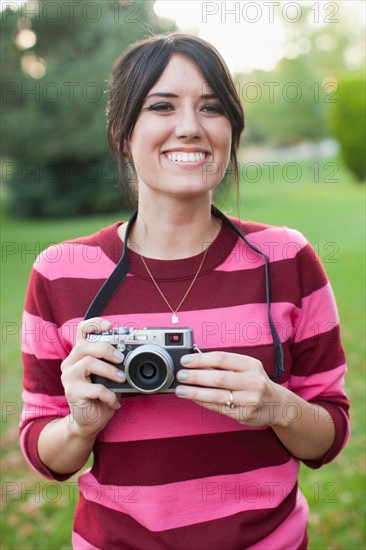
(210, 95)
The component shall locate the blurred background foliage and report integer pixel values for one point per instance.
(348, 121)
(54, 79)
(317, 91)
(56, 66)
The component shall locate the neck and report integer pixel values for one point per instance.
(175, 231)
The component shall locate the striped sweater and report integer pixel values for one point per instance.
(167, 473)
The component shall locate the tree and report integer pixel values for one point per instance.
(57, 57)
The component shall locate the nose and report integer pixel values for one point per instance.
(188, 124)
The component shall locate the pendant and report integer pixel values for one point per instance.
(175, 318)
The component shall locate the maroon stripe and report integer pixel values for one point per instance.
(320, 353)
(170, 460)
(234, 532)
(231, 533)
(39, 296)
(109, 241)
(42, 375)
(304, 542)
(214, 290)
(250, 227)
(73, 296)
(308, 262)
(94, 239)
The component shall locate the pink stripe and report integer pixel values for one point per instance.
(79, 543)
(218, 328)
(243, 325)
(39, 405)
(291, 532)
(330, 382)
(213, 328)
(195, 501)
(69, 257)
(222, 327)
(163, 414)
(320, 308)
(189, 502)
(278, 243)
(234, 325)
(41, 338)
(45, 340)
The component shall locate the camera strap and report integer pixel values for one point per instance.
(115, 279)
(121, 270)
(278, 350)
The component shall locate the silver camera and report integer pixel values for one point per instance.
(152, 357)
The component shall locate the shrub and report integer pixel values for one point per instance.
(348, 122)
(61, 188)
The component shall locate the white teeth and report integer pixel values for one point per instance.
(185, 157)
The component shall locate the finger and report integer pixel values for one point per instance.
(220, 360)
(100, 350)
(86, 393)
(96, 324)
(212, 378)
(82, 369)
(204, 396)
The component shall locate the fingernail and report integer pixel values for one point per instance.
(121, 375)
(180, 392)
(117, 405)
(118, 355)
(182, 375)
(186, 360)
(104, 325)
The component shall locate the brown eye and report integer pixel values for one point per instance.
(162, 107)
(213, 108)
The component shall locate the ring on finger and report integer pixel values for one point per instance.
(230, 403)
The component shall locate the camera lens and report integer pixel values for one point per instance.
(149, 368)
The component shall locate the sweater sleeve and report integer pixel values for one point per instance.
(43, 350)
(319, 362)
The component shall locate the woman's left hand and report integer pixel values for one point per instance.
(232, 384)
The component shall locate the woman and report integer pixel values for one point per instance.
(212, 464)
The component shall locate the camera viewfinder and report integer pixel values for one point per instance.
(174, 339)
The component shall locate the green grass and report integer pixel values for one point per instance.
(37, 514)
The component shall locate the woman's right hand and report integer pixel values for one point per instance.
(91, 405)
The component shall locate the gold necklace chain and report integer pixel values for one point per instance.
(175, 318)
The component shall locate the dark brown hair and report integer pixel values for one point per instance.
(135, 73)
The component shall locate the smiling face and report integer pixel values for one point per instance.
(181, 142)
